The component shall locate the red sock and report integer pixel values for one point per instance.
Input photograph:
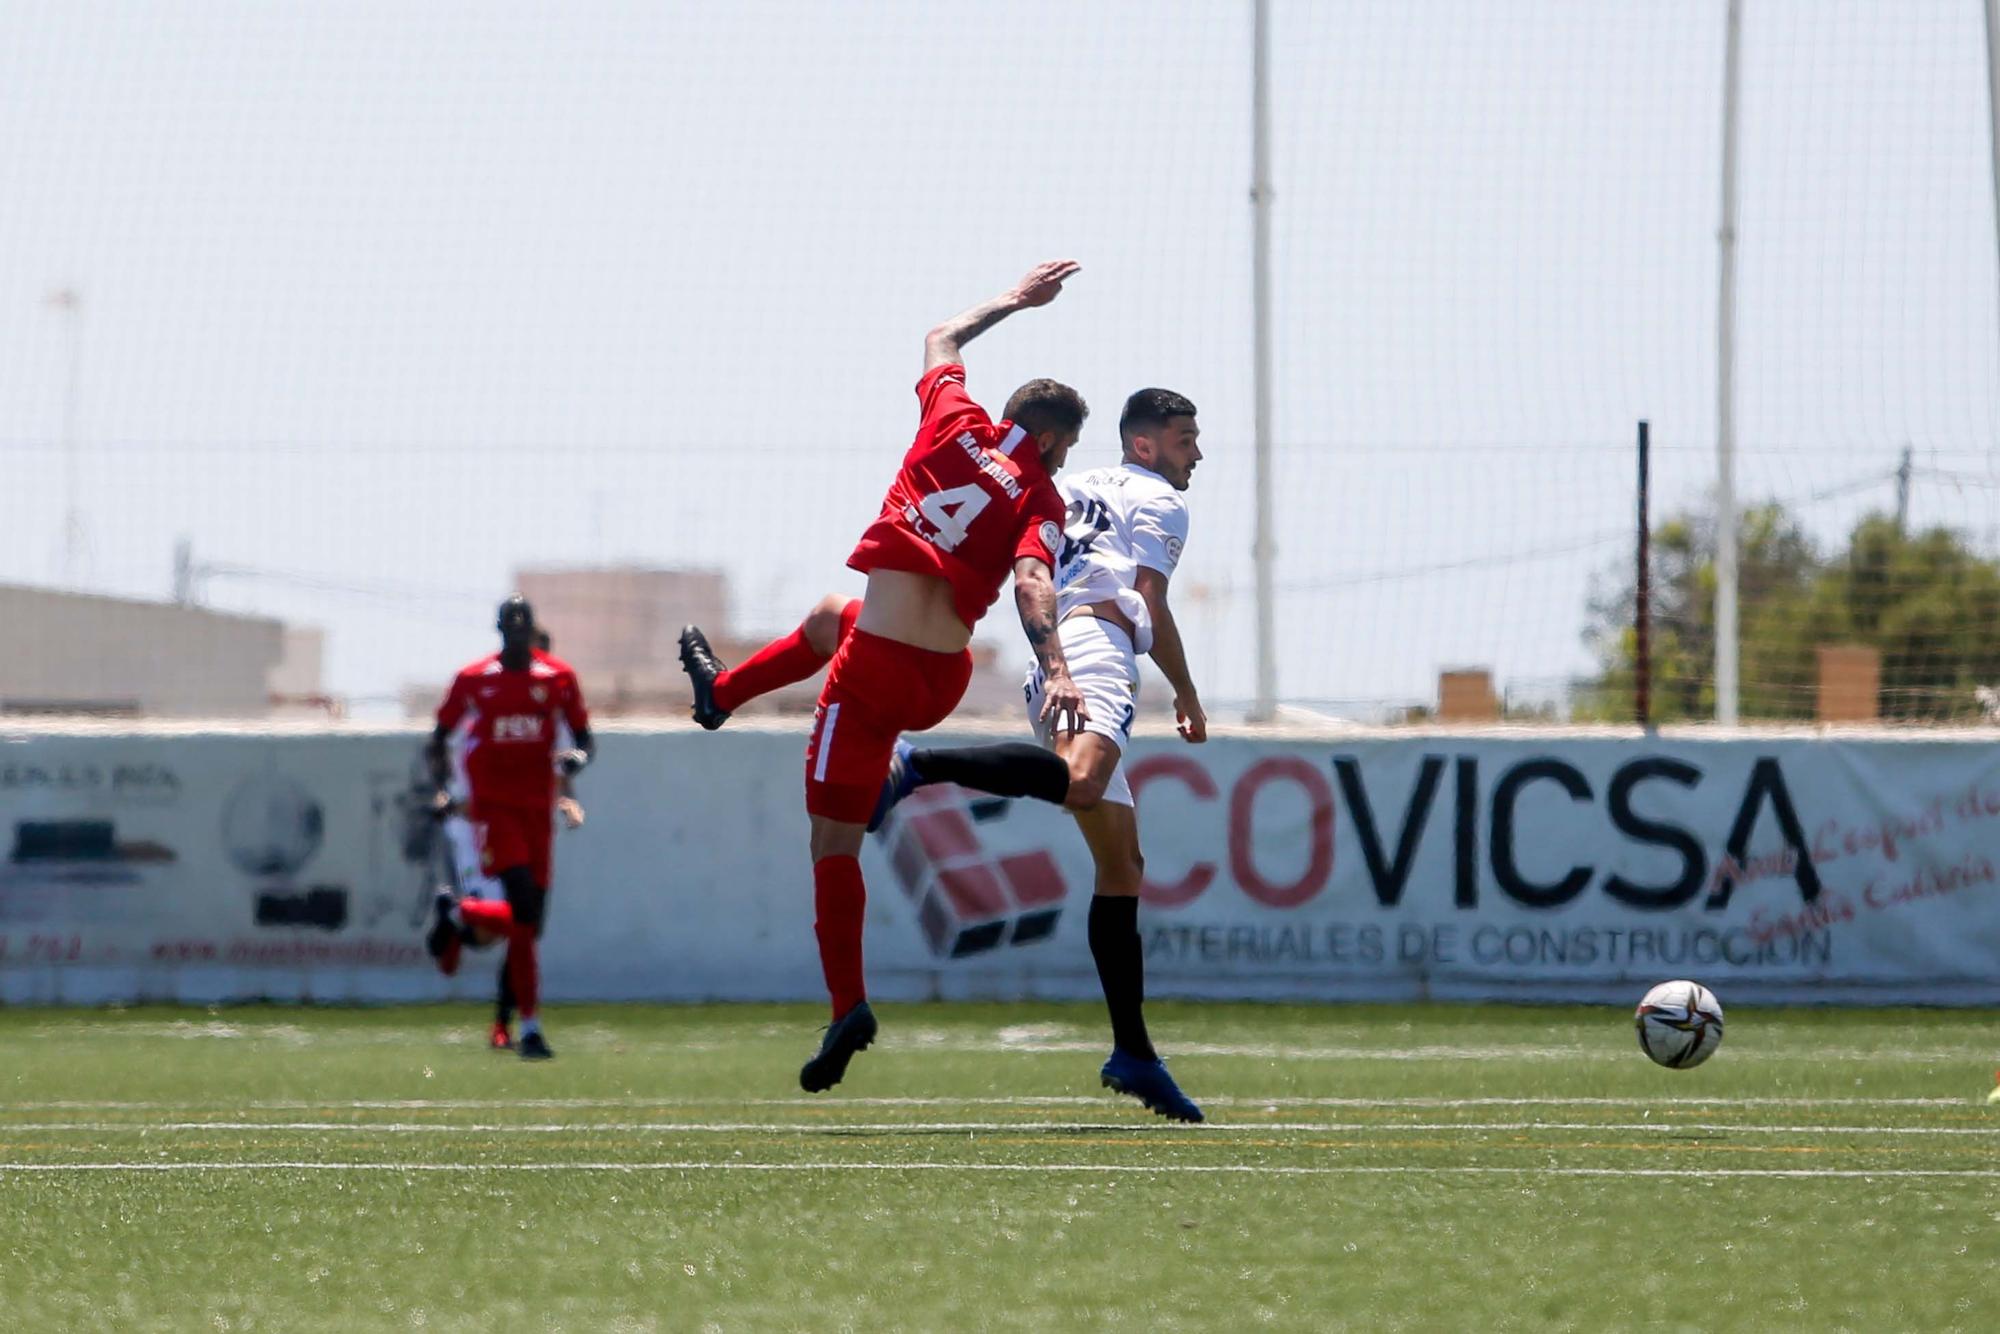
(524, 970)
(488, 915)
(778, 664)
(840, 898)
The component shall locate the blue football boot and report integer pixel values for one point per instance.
(1149, 1082)
(903, 779)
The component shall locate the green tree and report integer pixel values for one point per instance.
(1928, 602)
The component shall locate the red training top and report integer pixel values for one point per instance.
(971, 499)
(509, 720)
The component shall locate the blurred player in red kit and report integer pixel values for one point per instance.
(481, 928)
(510, 707)
(972, 502)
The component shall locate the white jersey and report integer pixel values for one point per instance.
(1120, 519)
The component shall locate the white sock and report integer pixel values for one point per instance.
(530, 1026)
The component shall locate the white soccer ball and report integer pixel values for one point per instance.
(1680, 1024)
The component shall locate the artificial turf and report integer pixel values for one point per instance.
(1364, 1167)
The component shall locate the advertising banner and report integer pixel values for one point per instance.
(208, 867)
(1797, 869)
(299, 866)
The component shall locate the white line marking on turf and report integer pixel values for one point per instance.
(1093, 1169)
(1018, 1039)
(1664, 1127)
(1025, 1100)
(1499, 1053)
(1265, 1051)
(1593, 1053)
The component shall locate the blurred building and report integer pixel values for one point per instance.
(79, 653)
(620, 628)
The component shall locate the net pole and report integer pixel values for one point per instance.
(1903, 471)
(1265, 705)
(1993, 147)
(1726, 649)
(68, 304)
(1642, 624)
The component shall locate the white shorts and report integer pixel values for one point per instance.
(473, 882)
(1102, 664)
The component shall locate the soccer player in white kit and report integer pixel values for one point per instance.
(1123, 533)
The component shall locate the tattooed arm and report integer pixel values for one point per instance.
(942, 345)
(1035, 599)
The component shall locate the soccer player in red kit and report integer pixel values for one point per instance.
(509, 705)
(972, 502)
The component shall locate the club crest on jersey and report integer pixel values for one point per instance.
(1051, 535)
(539, 693)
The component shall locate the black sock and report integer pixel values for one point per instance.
(1121, 968)
(1009, 769)
(504, 1013)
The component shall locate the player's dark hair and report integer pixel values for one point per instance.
(1046, 405)
(1152, 408)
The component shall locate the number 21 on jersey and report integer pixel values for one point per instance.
(1088, 521)
(942, 517)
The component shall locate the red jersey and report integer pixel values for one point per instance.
(972, 498)
(509, 721)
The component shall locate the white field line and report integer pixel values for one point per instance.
(1018, 1040)
(964, 1127)
(1025, 1100)
(1490, 1053)
(1041, 1169)
(1266, 1051)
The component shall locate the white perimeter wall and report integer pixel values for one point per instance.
(183, 864)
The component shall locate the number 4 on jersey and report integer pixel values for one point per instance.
(949, 513)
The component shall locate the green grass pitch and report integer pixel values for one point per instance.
(1369, 1168)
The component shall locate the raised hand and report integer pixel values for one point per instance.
(1044, 281)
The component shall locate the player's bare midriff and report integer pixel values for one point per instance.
(913, 609)
(1110, 613)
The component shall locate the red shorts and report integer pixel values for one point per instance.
(876, 690)
(511, 836)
